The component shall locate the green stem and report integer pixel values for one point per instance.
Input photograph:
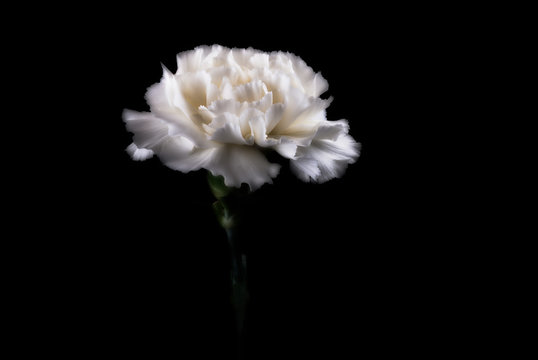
(226, 208)
(239, 291)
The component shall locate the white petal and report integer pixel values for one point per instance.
(343, 148)
(195, 88)
(273, 116)
(206, 115)
(252, 91)
(332, 129)
(240, 58)
(228, 131)
(295, 103)
(305, 169)
(212, 93)
(137, 153)
(278, 83)
(309, 119)
(247, 114)
(330, 156)
(168, 103)
(281, 61)
(202, 57)
(168, 93)
(259, 133)
(318, 86)
(219, 73)
(226, 89)
(259, 60)
(302, 115)
(265, 103)
(148, 129)
(287, 149)
(225, 106)
(243, 164)
(313, 83)
(179, 153)
(190, 60)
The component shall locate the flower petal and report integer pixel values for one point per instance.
(259, 60)
(277, 82)
(295, 103)
(259, 132)
(313, 83)
(330, 156)
(202, 57)
(318, 85)
(286, 149)
(305, 169)
(195, 88)
(273, 116)
(302, 116)
(309, 119)
(265, 103)
(168, 103)
(243, 164)
(228, 130)
(251, 91)
(139, 154)
(179, 153)
(148, 129)
(331, 130)
(249, 113)
(188, 61)
(343, 148)
(225, 106)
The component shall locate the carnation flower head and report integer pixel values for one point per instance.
(223, 108)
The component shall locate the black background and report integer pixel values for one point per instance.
(137, 264)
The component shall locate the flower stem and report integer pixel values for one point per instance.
(226, 210)
(239, 291)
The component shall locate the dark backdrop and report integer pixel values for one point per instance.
(140, 266)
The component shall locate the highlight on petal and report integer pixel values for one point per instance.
(139, 154)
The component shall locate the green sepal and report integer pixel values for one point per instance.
(225, 219)
(217, 186)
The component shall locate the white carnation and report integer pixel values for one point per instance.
(223, 106)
